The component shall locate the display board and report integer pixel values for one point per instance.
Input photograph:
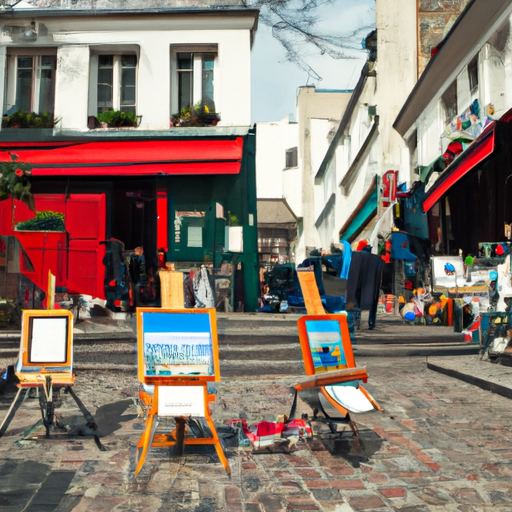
(181, 401)
(325, 343)
(443, 279)
(177, 344)
(46, 346)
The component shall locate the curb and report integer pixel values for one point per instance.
(475, 381)
(387, 350)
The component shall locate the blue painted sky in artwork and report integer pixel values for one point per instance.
(322, 326)
(176, 322)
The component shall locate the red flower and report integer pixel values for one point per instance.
(19, 172)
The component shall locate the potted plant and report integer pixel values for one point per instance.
(22, 119)
(118, 119)
(198, 115)
(43, 221)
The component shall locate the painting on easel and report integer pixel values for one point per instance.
(46, 346)
(325, 343)
(178, 355)
(177, 343)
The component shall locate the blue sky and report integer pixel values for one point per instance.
(275, 81)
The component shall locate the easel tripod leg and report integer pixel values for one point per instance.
(218, 446)
(144, 443)
(88, 417)
(18, 400)
(179, 447)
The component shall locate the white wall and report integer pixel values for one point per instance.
(397, 36)
(272, 141)
(72, 86)
(318, 112)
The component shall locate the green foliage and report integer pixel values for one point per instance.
(198, 115)
(14, 181)
(117, 119)
(22, 119)
(43, 221)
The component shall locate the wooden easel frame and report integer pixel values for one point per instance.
(315, 311)
(29, 371)
(45, 376)
(177, 437)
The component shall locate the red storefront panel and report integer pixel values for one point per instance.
(75, 257)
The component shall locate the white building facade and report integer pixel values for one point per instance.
(58, 59)
(287, 155)
(365, 147)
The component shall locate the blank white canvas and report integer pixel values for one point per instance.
(49, 339)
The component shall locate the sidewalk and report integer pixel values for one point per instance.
(441, 444)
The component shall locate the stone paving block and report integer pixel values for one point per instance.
(301, 504)
(253, 507)
(326, 494)
(393, 492)
(289, 487)
(308, 473)
(271, 503)
(377, 478)
(365, 502)
(339, 470)
(348, 483)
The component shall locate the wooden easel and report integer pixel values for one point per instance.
(310, 292)
(47, 376)
(316, 311)
(177, 437)
(172, 301)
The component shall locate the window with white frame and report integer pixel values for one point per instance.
(116, 82)
(193, 79)
(30, 83)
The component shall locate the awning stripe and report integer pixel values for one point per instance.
(146, 152)
(480, 149)
(362, 214)
(184, 168)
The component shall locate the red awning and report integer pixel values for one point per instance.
(108, 158)
(477, 152)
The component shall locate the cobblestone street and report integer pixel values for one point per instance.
(441, 445)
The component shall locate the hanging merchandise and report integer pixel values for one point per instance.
(203, 289)
(454, 149)
(400, 248)
(501, 249)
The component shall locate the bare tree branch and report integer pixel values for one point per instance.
(296, 25)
